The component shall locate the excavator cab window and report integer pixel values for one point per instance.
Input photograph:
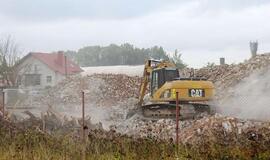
(154, 84)
(160, 76)
(171, 74)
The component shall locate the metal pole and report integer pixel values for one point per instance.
(3, 109)
(83, 129)
(177, 118)
(83, 121)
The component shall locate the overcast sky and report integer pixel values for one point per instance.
(202, 30)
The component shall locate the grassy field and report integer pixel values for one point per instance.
(35, 145)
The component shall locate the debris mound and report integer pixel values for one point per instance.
(119, 87)
(210, 132)
(203, 133)
(225, 76)
(100, 89)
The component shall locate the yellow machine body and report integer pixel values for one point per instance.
(162, 78)
(183, 87)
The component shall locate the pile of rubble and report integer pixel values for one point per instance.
(225, 76)
(100, 89)
(209, 132)
(218, 129)
(69, 91)
(119, 87)
(163, 129)
(49, 122)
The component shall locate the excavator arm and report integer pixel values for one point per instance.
(146, 75)
(149, 66)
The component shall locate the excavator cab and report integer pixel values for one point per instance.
(160, 76)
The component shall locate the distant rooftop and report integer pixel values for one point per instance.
(56, 61)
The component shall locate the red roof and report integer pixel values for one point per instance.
(56, 61)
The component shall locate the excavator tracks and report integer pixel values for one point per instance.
(163, 110)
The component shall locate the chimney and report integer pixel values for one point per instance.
(253, 48)
(222, 61)
(60, 58)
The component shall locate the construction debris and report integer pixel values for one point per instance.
(52, 121)
(117, 94)
(119, 87)
(100, 89)
(205, 133)
(225, 76)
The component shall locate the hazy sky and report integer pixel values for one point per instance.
(203, 30)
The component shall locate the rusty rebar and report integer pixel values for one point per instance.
(177, 112)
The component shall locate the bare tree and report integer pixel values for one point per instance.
(9, 57)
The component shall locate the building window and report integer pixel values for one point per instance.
(32, 79)
(49, 79)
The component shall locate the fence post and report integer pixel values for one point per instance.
(3, 107)
(177, 118)
(83, 129)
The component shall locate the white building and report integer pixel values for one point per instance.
(41, 70)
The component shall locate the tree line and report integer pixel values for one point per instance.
(125, 54)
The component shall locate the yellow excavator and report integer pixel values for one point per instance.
(164, 82)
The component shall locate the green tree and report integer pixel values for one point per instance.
(176, 58)
(158, 53)
(125, 54)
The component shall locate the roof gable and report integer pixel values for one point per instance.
(56, 62)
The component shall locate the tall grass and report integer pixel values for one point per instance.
(34, 145)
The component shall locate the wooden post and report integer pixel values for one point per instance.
(177, 118)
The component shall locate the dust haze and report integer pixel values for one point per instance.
(249, 99)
